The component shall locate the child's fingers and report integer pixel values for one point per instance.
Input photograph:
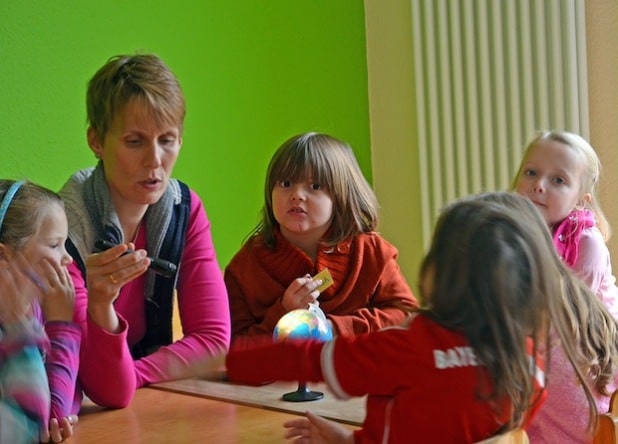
(297, 428)
(48, 273)
(296, 423)
(316, 420)
(55, 432)
(67, 426)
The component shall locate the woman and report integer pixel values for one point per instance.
(136, 110)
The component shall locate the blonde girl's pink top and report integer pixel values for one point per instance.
(563, 418)
(582, 247)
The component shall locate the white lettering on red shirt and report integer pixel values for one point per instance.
(455, 357)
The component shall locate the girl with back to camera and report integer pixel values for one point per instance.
(593, 332)
(560, 173)
(490, 290)
(33, 230)
(319, 212)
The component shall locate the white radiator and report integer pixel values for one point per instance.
(489, 74)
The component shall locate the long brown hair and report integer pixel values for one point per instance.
(589, 332)
(492, 278)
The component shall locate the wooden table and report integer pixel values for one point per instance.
(194, 411)
(351, 411)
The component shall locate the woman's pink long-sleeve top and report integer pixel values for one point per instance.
(108, 374)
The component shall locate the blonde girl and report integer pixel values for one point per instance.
(560, 174)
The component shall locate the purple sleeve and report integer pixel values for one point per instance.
(202, 303)
(106, 371)
(62, 364)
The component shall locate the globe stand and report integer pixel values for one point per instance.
(302, 394)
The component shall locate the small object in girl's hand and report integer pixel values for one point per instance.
(327, 279)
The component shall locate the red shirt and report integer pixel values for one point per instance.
(421, 381)
(367, 292)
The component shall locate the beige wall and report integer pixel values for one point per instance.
(602, 49)
(393, 129)
(393, 119)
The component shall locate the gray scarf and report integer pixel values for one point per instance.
(91, 215)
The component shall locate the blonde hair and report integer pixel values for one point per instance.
(590, 176)
(331, 163)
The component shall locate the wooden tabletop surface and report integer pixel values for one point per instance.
(190, 411)
(350, 411)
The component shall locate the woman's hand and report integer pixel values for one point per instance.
(58, 299)
(106, 273)
(59, 430)
(317, 430)
(301, 292)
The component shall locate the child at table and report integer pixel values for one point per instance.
(33, 230)
(561, 418)
(319, 212)
(490, 287)
(560, 173)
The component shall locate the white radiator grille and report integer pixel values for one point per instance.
(489, 74)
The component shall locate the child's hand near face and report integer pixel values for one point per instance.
(58, 297)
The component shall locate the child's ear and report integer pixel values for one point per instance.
(5, 254)
(584, 200)
(94, 143)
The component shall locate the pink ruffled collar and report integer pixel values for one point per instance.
(568, 232)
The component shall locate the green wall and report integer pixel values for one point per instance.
(254, 73)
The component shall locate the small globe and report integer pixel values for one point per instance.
(303, 324)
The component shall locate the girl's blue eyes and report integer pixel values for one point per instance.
(532, 173)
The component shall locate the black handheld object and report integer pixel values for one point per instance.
(159, 266)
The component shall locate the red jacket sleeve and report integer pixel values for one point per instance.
(257, 360)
